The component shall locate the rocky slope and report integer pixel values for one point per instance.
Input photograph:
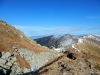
(70, 63)
(18, 53)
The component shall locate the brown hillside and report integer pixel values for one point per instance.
(9, 37)
(91, 48)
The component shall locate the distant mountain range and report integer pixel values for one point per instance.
(56, 41)
(88, 43)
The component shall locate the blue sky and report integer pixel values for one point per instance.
(52, 17)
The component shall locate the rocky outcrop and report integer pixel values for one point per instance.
(22, 61)
(3, 22)
(35, 59)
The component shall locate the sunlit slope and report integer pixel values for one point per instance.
(90, 46)
(9, 37)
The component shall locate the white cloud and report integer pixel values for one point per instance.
(96, 27)
(55, 31)
(92, 17)
(28, 27)
(19, 26)
(41, 31)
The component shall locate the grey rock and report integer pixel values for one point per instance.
(18, 70)
(5, 66)
(9, 63)
(25, 70)
(2, 61)
(16, 50)
(6, 55)
(21, 36)
(32, 58)
(14, 59)
(14, 53)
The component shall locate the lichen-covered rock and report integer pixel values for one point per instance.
(25, 70)
(6, 55)
(10, 60)
(9, 63)
(2, 61)
(14, 59)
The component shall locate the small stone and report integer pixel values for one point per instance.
(64, 73)
(18, 70)
(25, 70)
(5, 66)
(14, 53)
(6, 55)
(9, 64)
(14, 59)
(16, 50)
(11, 61)
(21, 36)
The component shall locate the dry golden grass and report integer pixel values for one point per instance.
(9, 35)
(1, 47)
(36, 48)
(23, 63)
(91, 51)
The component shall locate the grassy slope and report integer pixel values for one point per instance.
(91, 51)
(9, 35)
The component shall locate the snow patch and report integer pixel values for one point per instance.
(76, 50)
(80, 40)
(34, 69)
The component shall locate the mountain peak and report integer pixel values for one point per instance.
(3, 22)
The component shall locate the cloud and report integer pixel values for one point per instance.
(45, 31)
(92, 17)
(19, 26)
(76, 28)
(28, 27)
(94, 28)
(55, 31)
(60, 29)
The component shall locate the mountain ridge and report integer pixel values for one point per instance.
(56, 41)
